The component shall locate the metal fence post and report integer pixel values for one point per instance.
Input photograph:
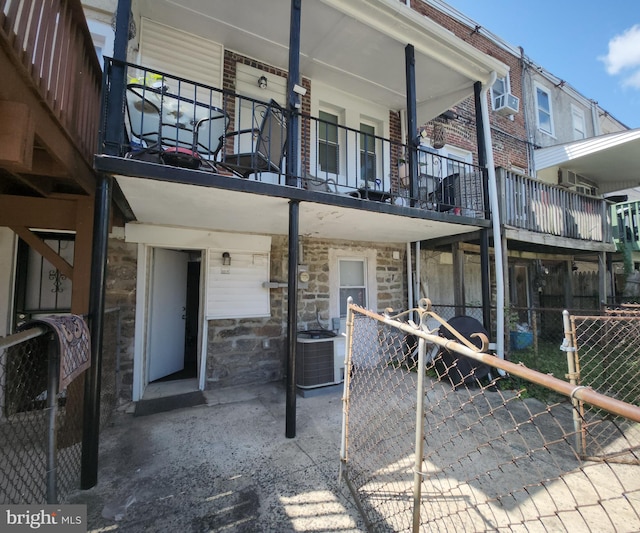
(419, 447)
(569, 346)
(347, 379)
(52, 410)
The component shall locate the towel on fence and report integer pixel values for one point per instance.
(74, 344)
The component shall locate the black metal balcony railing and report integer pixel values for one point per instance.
(532, 205)
(181, 122)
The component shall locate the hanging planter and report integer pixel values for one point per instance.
(438, 137)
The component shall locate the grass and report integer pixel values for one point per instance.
(548, 359)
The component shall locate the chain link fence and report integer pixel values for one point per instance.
(438, 435)
(604, 354)
(40, 425)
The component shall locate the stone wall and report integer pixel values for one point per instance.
(120, 292)
(243, 351)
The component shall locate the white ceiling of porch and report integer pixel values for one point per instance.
(189, 206)
(611, 161)
(357, 45)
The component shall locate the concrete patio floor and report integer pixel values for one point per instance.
(224, 466)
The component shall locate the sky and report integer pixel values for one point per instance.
(594, 46)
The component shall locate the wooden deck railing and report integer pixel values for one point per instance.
(532, 205)
(51, 44)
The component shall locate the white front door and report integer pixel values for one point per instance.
(167, 312)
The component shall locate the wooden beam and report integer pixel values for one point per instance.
(16, 136)
(49, 132)
(44, 250)
(38, 184)
(45, 213)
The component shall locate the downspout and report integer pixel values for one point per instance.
(417, 282)
(409, 278)
(495, 218)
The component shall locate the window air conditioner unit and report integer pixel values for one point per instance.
(506, 104)
(576, 182)
(566, 178)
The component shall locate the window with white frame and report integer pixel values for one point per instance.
(351, 273)
(368, 167)
(578, 123)
(328, 145)
(102, 36)
(544, 115)
(501, 86)
(353, 282)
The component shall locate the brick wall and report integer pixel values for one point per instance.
(509, 136)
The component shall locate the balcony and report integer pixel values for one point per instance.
(49, 98)
(551, 213)
(626, 225)
(176, 127)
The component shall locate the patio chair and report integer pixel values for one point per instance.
(194, 145)
(172, 129)
(444, 196)
(267, 149)
(143, 125)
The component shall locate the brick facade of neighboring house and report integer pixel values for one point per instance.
(510, 149)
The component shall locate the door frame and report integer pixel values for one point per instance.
(141, 340)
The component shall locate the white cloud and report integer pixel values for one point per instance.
(624, 51)
(632, 81)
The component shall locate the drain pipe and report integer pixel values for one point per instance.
(495, 218)
(418, 273)
(409, 278)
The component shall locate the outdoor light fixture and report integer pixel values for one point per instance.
(226, 259)
(262, 82)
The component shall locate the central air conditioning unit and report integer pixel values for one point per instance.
(319, 360)
(506, 104)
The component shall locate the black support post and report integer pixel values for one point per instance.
(292, 319)
(115, 97)
(293, 103)
(91, 415)
(412, 119)
(293, 98)
(485, 265)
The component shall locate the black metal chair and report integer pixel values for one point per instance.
(267, 148)
(443, 198)
(173, 129)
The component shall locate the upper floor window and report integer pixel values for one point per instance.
(102, 36)
(367, 152)
(328, 147)
(499, 87)
(543, 108)
(578, 123)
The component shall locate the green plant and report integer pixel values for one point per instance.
(512, 318)
(548, 359)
